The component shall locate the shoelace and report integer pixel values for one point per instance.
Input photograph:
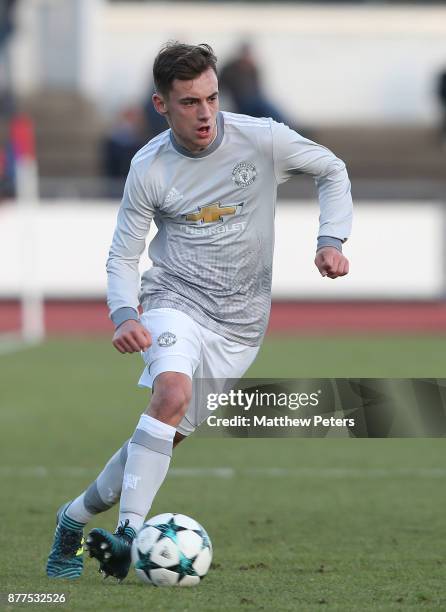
(120, 532)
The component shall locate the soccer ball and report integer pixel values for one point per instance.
(172, 550)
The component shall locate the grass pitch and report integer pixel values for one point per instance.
(297, 524)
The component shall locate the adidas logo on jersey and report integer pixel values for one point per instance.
(173, 196)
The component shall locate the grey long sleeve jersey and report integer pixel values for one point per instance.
(212, 254)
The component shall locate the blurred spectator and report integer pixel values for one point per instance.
(7, 171)
(6, 99)
(122, 143)
(154, 122)
(240, 79)
(240, 86)
(442, 99)
(7, 158)
(6, 29)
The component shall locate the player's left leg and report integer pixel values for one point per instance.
(66, 556)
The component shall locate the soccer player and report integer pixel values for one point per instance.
(210, 184)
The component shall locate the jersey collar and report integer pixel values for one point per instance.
(210, 149)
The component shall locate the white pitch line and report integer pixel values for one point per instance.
(223, 472)
(309, 472)
(228, 472)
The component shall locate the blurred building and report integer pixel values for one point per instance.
(363, 76)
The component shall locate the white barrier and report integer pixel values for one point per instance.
(396, 251)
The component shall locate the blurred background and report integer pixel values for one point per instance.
(366, 79)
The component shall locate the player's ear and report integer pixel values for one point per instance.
(159, 104)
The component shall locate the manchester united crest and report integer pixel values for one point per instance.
(244, 174)
(166, 339)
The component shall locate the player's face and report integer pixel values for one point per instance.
(191, 110)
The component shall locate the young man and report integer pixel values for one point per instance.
(209, 183)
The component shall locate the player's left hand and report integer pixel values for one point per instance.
(331, 262)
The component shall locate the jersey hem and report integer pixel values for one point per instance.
(200, 317)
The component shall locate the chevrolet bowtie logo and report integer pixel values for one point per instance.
(211, 213)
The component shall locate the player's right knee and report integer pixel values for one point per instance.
(171, 397)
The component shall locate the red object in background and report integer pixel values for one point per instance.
(22, 137)
(91, 317)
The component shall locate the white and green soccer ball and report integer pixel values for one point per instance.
(172, 550)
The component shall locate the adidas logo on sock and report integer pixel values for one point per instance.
(131, 481)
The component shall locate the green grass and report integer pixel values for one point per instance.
(346, 525)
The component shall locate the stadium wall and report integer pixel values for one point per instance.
(396, 250)
(323, 64)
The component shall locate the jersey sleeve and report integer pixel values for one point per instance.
(123, 280)
(293, 154)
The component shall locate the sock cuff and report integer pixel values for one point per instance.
(69, 523)
(130, 532)
(156, 428)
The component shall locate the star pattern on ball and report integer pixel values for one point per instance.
(206, 543)
(169, 530)
(184, 567)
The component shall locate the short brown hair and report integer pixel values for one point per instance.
(180, 61)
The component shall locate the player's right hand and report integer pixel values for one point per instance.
(131, 337)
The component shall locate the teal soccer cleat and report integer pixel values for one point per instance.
(66, 559)
(112, 550)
